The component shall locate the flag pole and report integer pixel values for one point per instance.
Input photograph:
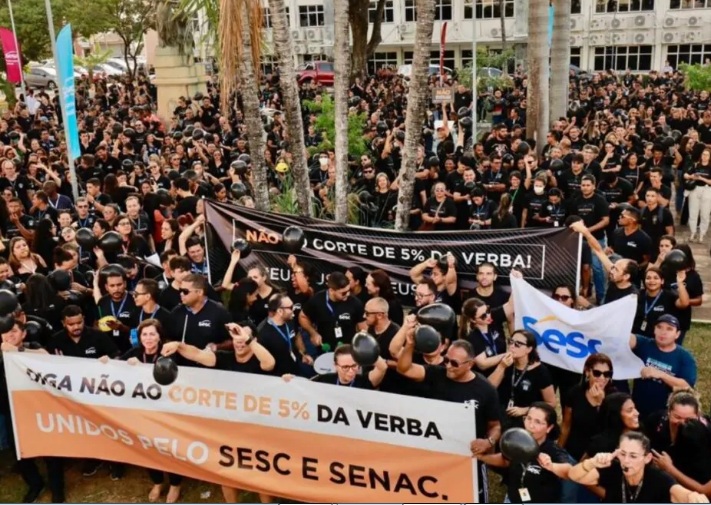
(17, 47)
(62, 99)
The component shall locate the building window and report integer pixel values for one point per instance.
(466, 57)
(635, 58)
(381, 60)
(688, 53)
(449, 60)
(576, 6)
(575, 56)
(602, 6)
(310, 15)
(689, 4)
(410, 14)
(488, 9)
(267, 16)
(443, 10)
(268, 64)
(388, 12)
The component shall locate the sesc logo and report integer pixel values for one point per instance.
(575, 344)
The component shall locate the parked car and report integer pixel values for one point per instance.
(320, 72)
(41, 77)
(406, 70)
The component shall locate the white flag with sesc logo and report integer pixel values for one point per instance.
(566, 337)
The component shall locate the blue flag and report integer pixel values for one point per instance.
(551, 14)
(65, 75)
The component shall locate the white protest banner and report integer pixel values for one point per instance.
(301, 440)
(566, 337)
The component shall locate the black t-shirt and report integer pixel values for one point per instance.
(534, 205)
(206, 326)
(664, 191)
(479, 389)
(649, 309)
(359, 382)
(447, 209)
(543, 486)
(524, 387)
(614, 293)
(656, 486)
(634, 246)
(123, 311)
(278, 340)
(584, 423)
(328, 315)
(92, 344)
(654, 223)
(591, 210)
(226, 360)
(138, 315)
(695, 288)
(259, 310)
(139, 353)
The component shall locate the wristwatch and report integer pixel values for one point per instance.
(491, 441)
(250, 340)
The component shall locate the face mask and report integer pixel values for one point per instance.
(323, 161)
(538, 190)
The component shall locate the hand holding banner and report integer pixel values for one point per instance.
(566, 337)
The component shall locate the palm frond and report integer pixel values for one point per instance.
(230, 37)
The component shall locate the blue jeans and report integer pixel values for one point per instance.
(599, 275)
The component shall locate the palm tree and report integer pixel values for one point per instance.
(538, 72)
(240, 37)
(560, 59)
(417, 102)
(284, 49)
(341, 67)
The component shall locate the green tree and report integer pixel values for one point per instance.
(326, 125)
(96, 57)
(696, 77)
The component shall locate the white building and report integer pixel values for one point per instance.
(619, 34)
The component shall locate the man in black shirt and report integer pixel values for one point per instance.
(333, 316)
(247, 354)
(457, 382)
(664, 193)
(629, 241)
(118, 304)
(199, 321)
(146, 306)
(347, 371)
(655, 219)
(278, 336)
(595, 213)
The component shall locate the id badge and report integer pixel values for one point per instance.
(511, 404)
(338, 332)
(116, 333)
(524, 494)
(293, 356)
(556, 224)
(489, 352)
(643, 326)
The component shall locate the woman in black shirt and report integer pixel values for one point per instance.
(478, 327)
(626, 475)
(521, 378)
(148, 350)
(378, 284)
(581, 410)
(618, 415)
(540, 480)
(440, 211)
(132, 243)
(694, 288)
(654, 300)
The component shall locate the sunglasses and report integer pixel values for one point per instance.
(517, 343)
(485, 315)
(453, 362)
(562, 298)
(348, 367)
(185, 291)
(599, 373)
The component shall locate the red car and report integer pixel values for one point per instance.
(320, 72)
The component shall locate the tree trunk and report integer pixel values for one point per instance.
(252, 116)
(560, 59)
(284, 49)
(341, 64)
(362, 48)
(538, 73)
(417, 101)
(503, 30)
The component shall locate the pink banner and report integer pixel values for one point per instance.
(12, 56)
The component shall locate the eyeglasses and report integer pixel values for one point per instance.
(372, 313)
(599, 373)
(485, 315)
(186, 291)
(453, 362)
(420, 296)
(125, 223)
(136, 293)
(517, 343)
(561, 298)
(537, 422)
(348, 367)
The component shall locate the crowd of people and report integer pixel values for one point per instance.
(630, 149)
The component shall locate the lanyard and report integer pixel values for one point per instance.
(284, 335)
(153, 360)
(514, 385)
(55, 203)
(490, 342)
(633, 495)
(83, 223)
(647, 307)
(339, 383)
(328, 305)
(113, 309)
(199, 269)
(140, 320)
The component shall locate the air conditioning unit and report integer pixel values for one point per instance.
(670, 37)
(692, 36)
(640, 38)
(573, 23)
(598, 24)
(670, 22)
(596, 40)
(314, 49)
(694, 21)
(311, 34)
(300, 48)
(640, 21)
(295, 34)
(616, 24)
(404, 28)
(494, 32)
(619, 38)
